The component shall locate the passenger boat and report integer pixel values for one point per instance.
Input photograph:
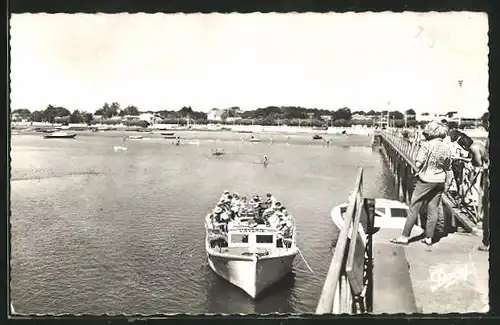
(119, 148)
(59, 135)
(249, 255)
(390, 214)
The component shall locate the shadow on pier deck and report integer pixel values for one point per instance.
(376, 276)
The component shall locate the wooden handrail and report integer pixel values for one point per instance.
(326, 301)
(408, 159)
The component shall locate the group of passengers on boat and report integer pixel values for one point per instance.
(268, 211)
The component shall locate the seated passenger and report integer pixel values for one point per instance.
(242, 206)
(268, 212)
(270, 200)
(217, 221)
(255, 204)
(216, 213)
(283, 211)
(226, 206)
(236, 200)
(279, 213)
(285, 227)
(273, 220)
(224, 195)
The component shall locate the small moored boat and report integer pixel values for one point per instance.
(135, 137)
(254, 139)
(59, 135)
(317, 137)
(167, 133)
(119, 148)
(218, 152)
(249, 250)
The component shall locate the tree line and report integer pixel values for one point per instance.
(270, 115)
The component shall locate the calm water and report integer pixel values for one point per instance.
(95, 231)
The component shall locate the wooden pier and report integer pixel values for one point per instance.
(376, 276)
(400, 154)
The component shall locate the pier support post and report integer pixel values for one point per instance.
(369, 206)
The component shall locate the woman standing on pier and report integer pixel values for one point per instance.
(434, 177)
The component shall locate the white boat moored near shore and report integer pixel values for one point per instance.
(388, 214)
(249, 255)
(119, 148)
(59, 135)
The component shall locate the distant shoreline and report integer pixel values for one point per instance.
(245, 130)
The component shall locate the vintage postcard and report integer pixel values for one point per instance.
(249, 163)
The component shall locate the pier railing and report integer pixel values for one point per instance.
(467, 205)
(348, 284)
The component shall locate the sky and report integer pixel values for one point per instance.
(165, 61)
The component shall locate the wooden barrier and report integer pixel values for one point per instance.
(347, 287)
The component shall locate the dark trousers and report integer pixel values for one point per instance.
(457, 166)
(424, 192)
(486, 211)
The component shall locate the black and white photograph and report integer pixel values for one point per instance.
(261, 163)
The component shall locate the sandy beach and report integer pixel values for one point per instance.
(224, 136)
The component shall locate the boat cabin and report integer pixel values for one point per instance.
(388, 213)
(259, 236)
(387, 209)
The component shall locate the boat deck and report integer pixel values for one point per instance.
(241, 250)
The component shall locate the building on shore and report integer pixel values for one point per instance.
(215, 114)
(452, 116)
(16, 117)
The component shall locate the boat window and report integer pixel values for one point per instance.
(264, 239)
(398, 213)
(343, 210)
(237, 238)
(380, 210)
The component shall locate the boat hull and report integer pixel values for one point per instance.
(253, 275)
(51, 136)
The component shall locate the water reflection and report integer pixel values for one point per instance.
(224, 297)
